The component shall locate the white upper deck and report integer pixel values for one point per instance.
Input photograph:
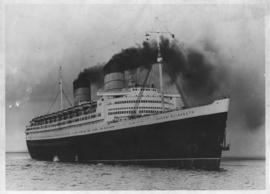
(135, 101)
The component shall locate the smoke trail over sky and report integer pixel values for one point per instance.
(190, 70)
(200, 73)
(191, 66)
(92, 75)
(132, 58)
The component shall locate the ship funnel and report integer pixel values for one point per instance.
(131, 75)
(81, 90)
(114, 81)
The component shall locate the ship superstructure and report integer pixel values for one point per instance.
(115, 103)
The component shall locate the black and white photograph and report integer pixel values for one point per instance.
(134, 96)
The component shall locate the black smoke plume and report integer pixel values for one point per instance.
(191, 67)
(92, 75)
(201, 75)
(190, 70)
(133, 58)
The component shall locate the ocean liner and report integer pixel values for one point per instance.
(131, 123)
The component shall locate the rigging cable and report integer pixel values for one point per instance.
(66, 94)
(53, 102)
(67, 98)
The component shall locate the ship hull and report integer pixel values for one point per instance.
(187, 143)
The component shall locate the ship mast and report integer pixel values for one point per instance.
(61, 91)
(61, 87)
(159, 57)
(159, 61)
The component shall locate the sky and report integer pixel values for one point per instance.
(40, 38)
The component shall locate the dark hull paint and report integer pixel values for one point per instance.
(194, 142)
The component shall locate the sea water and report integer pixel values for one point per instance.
(24, 173)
